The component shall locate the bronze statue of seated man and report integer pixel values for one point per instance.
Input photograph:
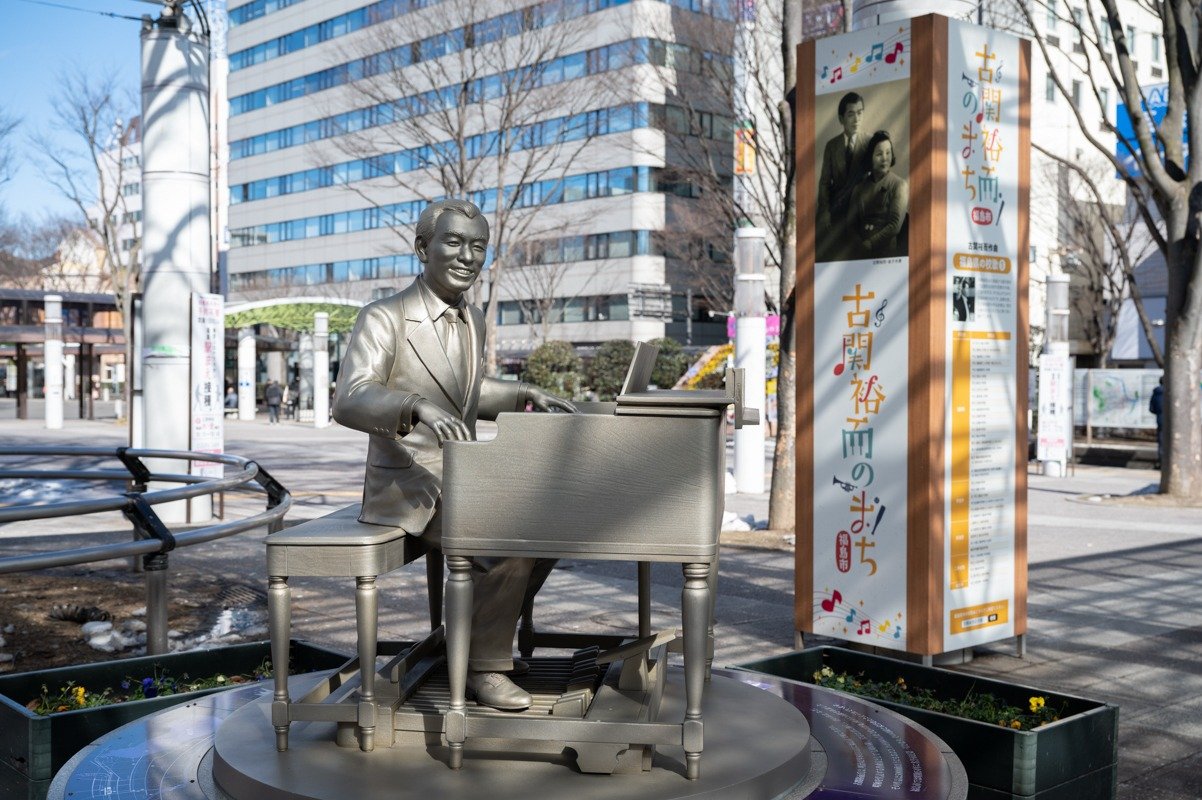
(413, 378)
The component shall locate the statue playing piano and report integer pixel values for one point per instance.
(413, 378)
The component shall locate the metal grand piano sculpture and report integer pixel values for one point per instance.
(642, 480)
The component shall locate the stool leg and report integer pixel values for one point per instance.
(279, 620)
(434, 586)
(695, 605)
(459, 632)
(366, 613)
(526, 629)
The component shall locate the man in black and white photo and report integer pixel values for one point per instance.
(844, 164)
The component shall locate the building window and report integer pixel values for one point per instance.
(1053, 16)
(1104, 29)
(1156, 48)
(131, 189)
(1104, 101)
(1076, 94)
(1131, 40)
(1049, 91)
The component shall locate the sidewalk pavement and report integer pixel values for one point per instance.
(1114, 612)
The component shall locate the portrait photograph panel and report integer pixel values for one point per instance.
(863, 151)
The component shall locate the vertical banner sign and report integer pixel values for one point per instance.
(912, 192)
(982, 346)
(208, 371)
(860, 349)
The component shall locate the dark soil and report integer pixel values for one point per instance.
(38, 641)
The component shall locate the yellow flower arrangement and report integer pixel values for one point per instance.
(1037, 703)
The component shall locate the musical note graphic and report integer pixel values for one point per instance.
(855, 67)
(844, 485)
(825, 69)
(851, 615)
(884, 627)
(865, 628)
(828, 605)
(980, 117)
(842, 365)
(879, 314)
(838, 74)
(897, 633)
(878, 52)
(897, 49)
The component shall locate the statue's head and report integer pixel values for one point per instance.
(451, 242)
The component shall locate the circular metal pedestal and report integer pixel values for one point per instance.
(757, 745)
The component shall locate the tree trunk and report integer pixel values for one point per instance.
(1181, 467)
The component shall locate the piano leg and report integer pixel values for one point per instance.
(695, 606)
(459, 631)
(644, 599)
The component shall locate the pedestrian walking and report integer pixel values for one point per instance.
(1156, 407)
(273, 395)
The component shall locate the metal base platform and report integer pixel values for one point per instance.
(758, 745)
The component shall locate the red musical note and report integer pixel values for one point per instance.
(828, 605)
(865, 627)
(980, 117)
(838, 75)
(892, 57)
(842, 365)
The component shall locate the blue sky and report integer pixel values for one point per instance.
(38, 44)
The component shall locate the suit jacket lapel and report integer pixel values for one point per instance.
(473, 355)
(425, 342)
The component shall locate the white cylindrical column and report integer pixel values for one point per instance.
(53, 360)
(275, 367)
(321, 369)
(175, 229)
(868, 13)
(246, 374)
(305, 364)
(751, 347)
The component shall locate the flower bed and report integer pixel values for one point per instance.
(1061, 747)
(85, 701)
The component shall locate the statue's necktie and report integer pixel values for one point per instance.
(454, 340)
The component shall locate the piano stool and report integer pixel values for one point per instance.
(339, 546)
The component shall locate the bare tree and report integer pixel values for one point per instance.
(476, 102)
(8, 124)
(1165, 186)
(99, 171)
(1102, 245)
(700, 148)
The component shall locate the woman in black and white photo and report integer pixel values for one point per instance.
(879, 203)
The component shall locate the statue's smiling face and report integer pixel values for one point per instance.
(455, 254)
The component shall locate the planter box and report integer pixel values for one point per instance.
(1074, 758)
(33, 747)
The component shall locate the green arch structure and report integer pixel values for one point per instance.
(295, 315)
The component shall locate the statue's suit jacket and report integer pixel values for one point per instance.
(396, 354)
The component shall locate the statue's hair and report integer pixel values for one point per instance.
(430, 214)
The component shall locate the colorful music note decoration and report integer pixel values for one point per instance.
(828, 605)
(884, 626)
(865, 627)
(825, 69)
(878, 53)
(897, 50)
(851, 615)
(855, 66)
(838, 74)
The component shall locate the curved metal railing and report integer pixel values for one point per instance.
(153, 539)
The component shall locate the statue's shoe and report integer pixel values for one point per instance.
(496, 691)
(520, 667)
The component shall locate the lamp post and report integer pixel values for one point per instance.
(751, 338)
